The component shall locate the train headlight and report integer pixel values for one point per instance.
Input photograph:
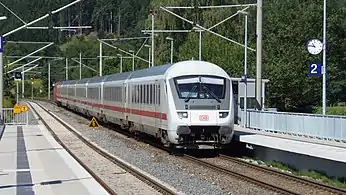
(182, 114)
(223, 114)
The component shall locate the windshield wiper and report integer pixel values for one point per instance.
(211, 93)
(190, 93)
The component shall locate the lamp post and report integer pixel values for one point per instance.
(172, 47)
(32, 90)
(152, 13)
(324, 57)
(149, 56)
(121, 62)
(133, 59)
(245, 66)
(1, 70)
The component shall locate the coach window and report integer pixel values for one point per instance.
(136, 92)
(140, 94)
(159, 94)
(132, 94)
(145, 94)
(151, 93)
(148, 94)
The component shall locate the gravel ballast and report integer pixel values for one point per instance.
(187, 177)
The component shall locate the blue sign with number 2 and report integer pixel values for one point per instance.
(315, 69)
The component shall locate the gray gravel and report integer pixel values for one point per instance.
(32, 119)
(187, 177)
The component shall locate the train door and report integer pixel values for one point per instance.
(126, 99)
(158, 107)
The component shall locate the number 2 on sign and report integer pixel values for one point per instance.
(314, 68)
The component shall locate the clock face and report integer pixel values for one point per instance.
(314, 46)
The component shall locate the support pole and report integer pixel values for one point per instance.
(152, 39)
(149, 56)
(133, 61)
(66, 63)
(121, 64)
(200, 45)
(324, 98)
(259, 56)
(48, 81)
(101, 58)
(23, 81)
(80, 65)
(245, 73)
(32, 90)
(17, 96)
(172, 48)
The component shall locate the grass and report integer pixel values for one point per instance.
(335, 110)
(323, 177)
(316, 175)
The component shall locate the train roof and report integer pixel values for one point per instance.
(171, 70)
(98, 79)
(118, 76)
(69, 82)
(152, 71)
(83, 81)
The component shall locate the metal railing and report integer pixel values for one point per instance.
(317, 126)
(9, 118)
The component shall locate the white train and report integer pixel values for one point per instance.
(187, 104)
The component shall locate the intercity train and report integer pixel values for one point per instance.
(188, 104)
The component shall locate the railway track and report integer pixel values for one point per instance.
(286, 176)
(257, 181)
(146, 179)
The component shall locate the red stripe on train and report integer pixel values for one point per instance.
(158, 115)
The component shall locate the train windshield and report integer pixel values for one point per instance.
(201, 87)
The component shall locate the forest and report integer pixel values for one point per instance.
(287, 25)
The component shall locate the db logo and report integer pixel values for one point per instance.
(203, 117)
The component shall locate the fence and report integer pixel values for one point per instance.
(9, 118)
(299, 124)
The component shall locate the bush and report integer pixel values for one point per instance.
(9, 102)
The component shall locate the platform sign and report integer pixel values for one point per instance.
(17, 109)
(315, 69)
(24, 108)
(94, 123)
(17, 76)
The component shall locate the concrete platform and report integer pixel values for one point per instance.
(320, 149)
(302, 153)
(33, 163)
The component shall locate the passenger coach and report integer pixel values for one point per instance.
(188, 104)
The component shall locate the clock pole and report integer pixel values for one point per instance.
(324, 98)
(259, 55)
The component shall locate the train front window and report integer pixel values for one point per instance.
(200, 87)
